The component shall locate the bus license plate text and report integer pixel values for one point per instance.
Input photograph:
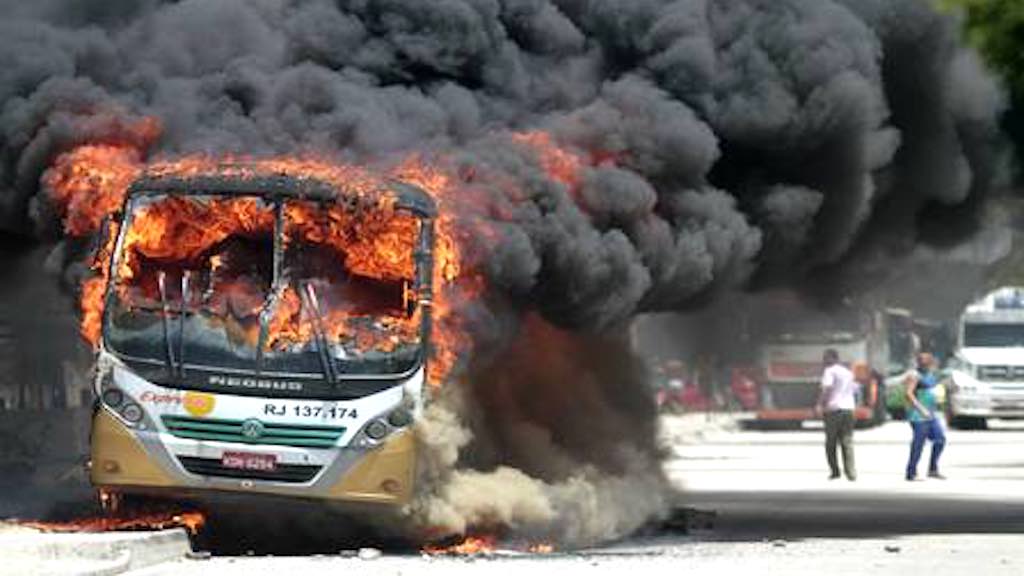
(249, 461)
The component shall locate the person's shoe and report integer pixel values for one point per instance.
(851, 477)
(912, 478)
(833, 476)
(935, 474)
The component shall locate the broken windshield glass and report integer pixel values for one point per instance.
(234, 276)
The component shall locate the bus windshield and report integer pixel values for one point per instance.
(266, 286)
(991, 335)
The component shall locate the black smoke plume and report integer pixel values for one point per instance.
(751, 140)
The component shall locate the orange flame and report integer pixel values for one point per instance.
(378, 244)
(560, 164)
(94, 287)
(191, 521)
(90, 182)
(194, 228)
(453, 282)
(483, 544)
(469, 545)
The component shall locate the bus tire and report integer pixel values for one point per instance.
(117, 504)
(111, 502)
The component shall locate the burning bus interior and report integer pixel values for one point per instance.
(236, 279)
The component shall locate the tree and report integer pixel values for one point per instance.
(996, 29)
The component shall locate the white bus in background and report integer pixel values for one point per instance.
(986, 376)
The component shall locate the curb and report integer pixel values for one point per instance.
(102, 554)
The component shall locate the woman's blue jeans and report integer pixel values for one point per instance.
(926, 430)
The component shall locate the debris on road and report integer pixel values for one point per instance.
(199, 555)
(680, 520)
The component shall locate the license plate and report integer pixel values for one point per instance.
(249, 461)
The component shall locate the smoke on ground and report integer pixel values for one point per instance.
(724, 141)
(553, 439)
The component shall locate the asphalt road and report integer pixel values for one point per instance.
(775, 513)
(774, 484)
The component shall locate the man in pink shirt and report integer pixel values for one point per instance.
(836, 403)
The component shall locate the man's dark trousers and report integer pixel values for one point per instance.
(839, 430)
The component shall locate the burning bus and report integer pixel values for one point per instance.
(265, 334)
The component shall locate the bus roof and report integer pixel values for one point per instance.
(1003, 302)
(405, 195)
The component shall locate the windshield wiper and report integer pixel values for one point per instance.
(161, 283)
(308, 298)
(277, 285)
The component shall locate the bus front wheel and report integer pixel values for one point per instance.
(116, 504)
(111, 502)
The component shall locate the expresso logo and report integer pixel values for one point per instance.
(255, 383)
(148, 397)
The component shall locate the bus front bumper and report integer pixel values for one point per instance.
(125, 460)
(989, 403)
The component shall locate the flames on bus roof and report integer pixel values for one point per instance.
(370, 222)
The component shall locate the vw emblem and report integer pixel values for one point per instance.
(252, 429)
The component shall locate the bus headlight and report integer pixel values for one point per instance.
(376, 430)
(966, 388)
(964, 383)
(400, 418)
(132, 412)
(969, 369)
(113, 397)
